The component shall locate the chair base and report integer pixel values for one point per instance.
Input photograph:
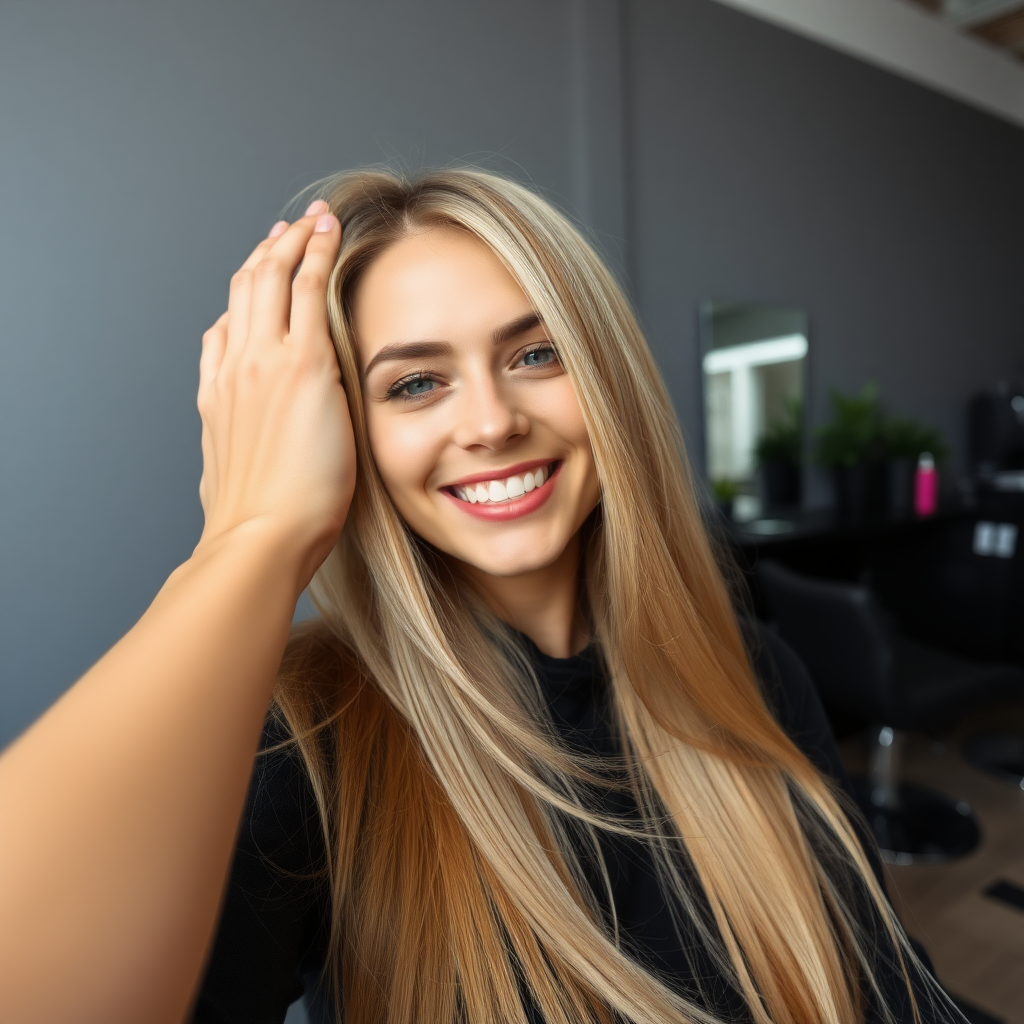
(998, 753)
(925, 828)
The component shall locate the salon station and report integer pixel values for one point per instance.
(904, 596)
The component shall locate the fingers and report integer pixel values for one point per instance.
(309, 289)
(265, 246)
(214, 344)
(272, 277)
(261, 295)
(240, 294)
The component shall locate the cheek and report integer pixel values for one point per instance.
(566, 420)
(404, 452)
(565, 417)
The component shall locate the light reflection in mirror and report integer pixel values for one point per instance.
(754, 359)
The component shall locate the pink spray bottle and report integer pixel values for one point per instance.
(926, 485)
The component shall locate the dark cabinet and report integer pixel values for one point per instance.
(955, 580)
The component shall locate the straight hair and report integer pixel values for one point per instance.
(451, 811)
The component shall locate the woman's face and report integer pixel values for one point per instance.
(473, 423)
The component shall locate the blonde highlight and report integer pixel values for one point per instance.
(448, 803)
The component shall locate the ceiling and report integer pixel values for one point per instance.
(970, 50)
(998, 22)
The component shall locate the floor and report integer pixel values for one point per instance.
(975, 941)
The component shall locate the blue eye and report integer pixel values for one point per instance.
(539, 357)
(413, 386)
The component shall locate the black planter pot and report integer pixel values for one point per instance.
(781, 482)
(861, 490)
(901, 486)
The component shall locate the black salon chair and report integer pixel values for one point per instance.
(865, 670)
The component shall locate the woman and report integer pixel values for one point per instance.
(471, 837)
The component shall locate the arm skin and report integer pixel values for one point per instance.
(119, 807)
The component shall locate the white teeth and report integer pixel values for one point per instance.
(501, 490)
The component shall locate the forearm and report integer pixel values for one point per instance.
(119, 807)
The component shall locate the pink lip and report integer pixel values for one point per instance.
(513, 509)
(501, 474)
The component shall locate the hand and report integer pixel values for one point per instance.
(278, 447)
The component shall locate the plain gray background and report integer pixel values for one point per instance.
(145, 148)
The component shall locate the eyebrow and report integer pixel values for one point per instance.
(426, 349)
(516, 327)
(408, 350)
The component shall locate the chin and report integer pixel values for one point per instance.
(512, 562)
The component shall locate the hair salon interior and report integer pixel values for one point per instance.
(818, 210)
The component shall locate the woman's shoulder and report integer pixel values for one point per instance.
(793, 698)
(316, 664)
(274, 916)
(282, 820)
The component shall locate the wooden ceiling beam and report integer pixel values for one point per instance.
(1006, 30)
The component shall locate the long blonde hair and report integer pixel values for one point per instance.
(450, 809)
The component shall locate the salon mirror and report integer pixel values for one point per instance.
(754, 371)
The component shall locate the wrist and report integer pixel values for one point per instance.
(271, 549)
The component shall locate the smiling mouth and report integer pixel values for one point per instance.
(504, 489)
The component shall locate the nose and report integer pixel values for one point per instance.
(489, 416)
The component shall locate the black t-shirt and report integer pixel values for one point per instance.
(271, 941)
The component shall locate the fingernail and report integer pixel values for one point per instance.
(278, 229)
(324, 223)
(317, 206)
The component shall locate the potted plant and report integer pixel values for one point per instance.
(850, 444)
(778, 456)
(724, 491)
(904, 439)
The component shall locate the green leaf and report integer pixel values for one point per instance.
(859, 431)
(724, 489)
(906, 438)
(781, 440)
(855, 431)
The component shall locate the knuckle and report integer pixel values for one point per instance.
(309, 282)
(250, 369)
(302, 362)
(240, 278)
(221, 384)
(268, 268)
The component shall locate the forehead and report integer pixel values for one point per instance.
(439, 284)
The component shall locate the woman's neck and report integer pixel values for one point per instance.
(544, 603)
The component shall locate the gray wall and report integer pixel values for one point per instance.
(146, 147)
